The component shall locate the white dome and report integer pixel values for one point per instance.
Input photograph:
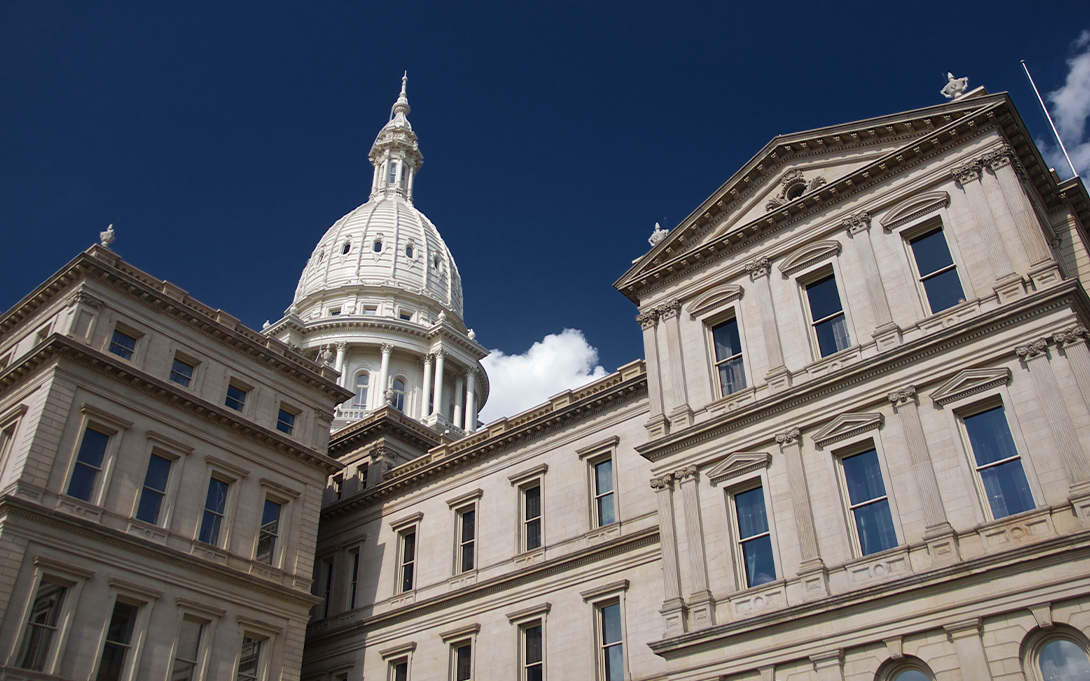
(385, 243)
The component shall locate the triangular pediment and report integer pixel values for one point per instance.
(915, 207)
(970, 382)
(712, 300)
(845, 426)
(809, 254)
(738, 464)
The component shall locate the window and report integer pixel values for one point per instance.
(405, 316)
(92, 451)
(338, 486)
(269, 532)
(1061, 659)
(409, 250)
(372, 310)
(285, 421)
(187, 652)
(122, 344)
(111, 666)
(236, 397)
(181, 372)
(868, 503)
(610, 642)
(406, 561)
(361, 390)
(377, 246)
(830, 328)
(361, 473)
(907, 668)
(327, 586)
(354, 579)
(462, 661)
(728, 357)
(531, 516)
(154, 490)
(399, 669)
(936, 270)
(42, 626)
(393, 172)
(398, 401)
(754, 538)
(215, 506)
(604, 510)
(532, 654)
(249, 659)
(334, 312)
(467, 538)
(346, 248)
(997, 464)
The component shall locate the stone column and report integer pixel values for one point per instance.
(1002, 163)
(701, 604)
(656, 424)
(1008, 285)
(886, 333)
(471, 400)
(1074, 344)
(437, 395)
(829, 666)
(338, 364)
(680, 415)
(812, 569)
(673, 607)
(965, 636)
(1035, 357)
(384, 373)
(939, 535)
(778, 377)
(425, 394)
(458, 386)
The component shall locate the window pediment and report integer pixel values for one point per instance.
(845, 426)
(714, 299)
(808, 255)
(910, 209)
(738, 464)
(969, 382)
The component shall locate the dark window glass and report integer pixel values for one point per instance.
(409, 251)
(728, 357)
(398, 401)
(399, 670)
(533, 655)
(408, 560)
(532, 516)
(181, 373)
(155, 489)
(249, 659)
(328, 592)
(347, 247)
(937, 271)
(236, 398)
(377, 246)
(214, 505)
(1063, 660)
(612, 646)
(354, 579)
(270, 530)
(997, 463)
(754, 538)
(603, 492)
(463, 662)
(285, 422)
(187, 652)
(361, 390)
(88, 464)
(467, 538)
(118, 641)
(827, 316)
(122, 344)
(42, 625)
(869, 503)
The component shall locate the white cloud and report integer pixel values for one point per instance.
(556, 363)
(1070, 111)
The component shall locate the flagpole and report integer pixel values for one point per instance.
(1045, 109)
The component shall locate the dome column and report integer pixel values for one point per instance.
(384, 372)
(458, 397)
(471, 401)
(425, 394)
(437, 396)
(339, 363)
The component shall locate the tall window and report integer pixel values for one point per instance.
(407, 561)
(92, 451)
(399, 669)
(531, 516)
(467, 538)
(236, 397)
(249, 660)
(285, 422)
(462, 661)
(269, 533)
(118, 641)
(181, 372)
(398, 401)
(155, 489)
(361, 390)
(611, 642)
(604, 508)
(533, 657)
(122, 344)
(997, 463)
(868, 503)
(187, 652)
(354, 579)
(936, 270)
(728, 357)
(327, 587)
(393, 172)
(754, 539)
(830, 328)
(215, 505)
(42, 626)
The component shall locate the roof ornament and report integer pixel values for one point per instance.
(657, 236)
(401, 106)
(955, 87)
(107, 237)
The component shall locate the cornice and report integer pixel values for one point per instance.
(385, 421)
(60, 347)
(1069, 293)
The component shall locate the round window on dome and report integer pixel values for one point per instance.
(347, 247)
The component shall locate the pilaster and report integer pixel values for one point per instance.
(829, 665)
(656, 425)
(1008, 285)
(342, 348)
(778, 377)
(680, 414)
(965, 635)
(1002, 162)
(425, 396)
(700, 601)
(673, 607)
(886, 334)
(437, 389)
(811, 568)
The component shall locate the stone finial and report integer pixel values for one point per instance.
(472, 334)
(266, 325)
(955, 87)
(325, 356)
(657, 236)
(107, 237)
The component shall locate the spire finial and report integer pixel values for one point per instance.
(401, 106)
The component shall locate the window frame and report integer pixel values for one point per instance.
(403, 393)
(189, 361)
(891, 669)
(522, 620)
(356, 390)
(523, 481)
(141, 598)
(599, 599)
(9, 430)
(804, 281)
(71, 578)
(710, 325)
(208, 617)
(456, 640)
(404, 527)
(296, 420)
(135, 353)
(856, 447)
(397, 655)
(979, 406)
(911, 229)
(224, 472)
(1039, 638)
(915, 233)
(106, 424)
(247, 391)
(166, 500)
(750, 484)
(595, 455)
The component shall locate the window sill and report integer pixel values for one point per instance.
(147, 531)
(80, 508)
(834, 362)
(757, 599)
(879, 567)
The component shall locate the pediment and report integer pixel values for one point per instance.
(969, 382)
(809, 255)
(714, 299)
(738, 464)
(845, 426)
(910, 209)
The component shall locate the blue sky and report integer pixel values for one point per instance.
(223, 138)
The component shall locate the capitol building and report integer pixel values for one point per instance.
(857, 447)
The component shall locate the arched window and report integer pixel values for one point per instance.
(361, 390)
(347, 247)
(409, 250)
(393, 172)
(907, 668)
(398, 401)
(1056, 654)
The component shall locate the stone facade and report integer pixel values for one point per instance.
(161, 473)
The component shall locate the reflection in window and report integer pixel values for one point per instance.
(88, 464)
(1063, 660)
(611, 646)
(122, 344)
(998, 466)
(215, 504)
(155, 489)
(605, 513)
(728, 357)
(361, 390)
(118, 641)
(868, 502)
(398, 399)
(936, 270)
(827, 316)
(42, 625)
(531, 517)
(754, 538)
